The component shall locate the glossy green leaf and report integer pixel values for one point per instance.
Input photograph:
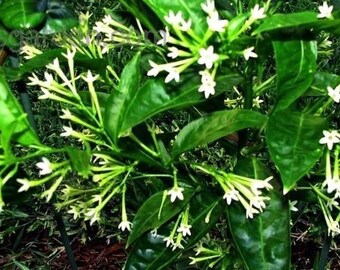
(264, 241)
(150, 252)
(121, 99)
(320, 83)
(190, 10)
(141, 11)
(59, 18)
(281, 21)
(214, 126)
(22, 14)
(295, 66)
(7, 39)
(293, 142)
(13, 119)
(147, 216)
(155, 96)
(80, 161)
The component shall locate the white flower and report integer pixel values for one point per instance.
(66, 114)
(247, 53)
(215, 24)
(174, 52)
(108, 20)
(34, 80)
(169, 241)
(165, 37)
(258, 202)
(75, 211)
(184, 229)
(177, 245)
(257, 101)
(207, 89)
(174, 19)
(155, 69)
(185, 25)
(208, 7)
(173, 74)
(125, 225)
(70, 53)
(176, 192)
(330, 138)
(54, 65)
(89, 77)
(257, 13)
(45, 166)
(325, 10)
(47, 94)
(208, 84)
(251, 211)
(25, 184)
(231, 195)
(67, 131)
(334, 93)
(207, 57)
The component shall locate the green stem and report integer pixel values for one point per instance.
(145, 147)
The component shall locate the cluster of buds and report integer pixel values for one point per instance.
(237, 102)
(213, 255)
(247, 191)
(188, 47)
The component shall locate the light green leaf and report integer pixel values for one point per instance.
(13, 117)
(22, 14)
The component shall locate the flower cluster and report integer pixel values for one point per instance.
(187, 47)
(247, 191)
(180, 230)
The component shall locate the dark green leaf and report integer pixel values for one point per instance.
(147, 216)
(59, 18)
(264, 241)
(214, 126)
(22, 14)
(120, 100)
(80, 161)
(295, 65)
(141, 11)
(150, 252)
(7, 39)
(293, 142)
(190, 10)
(321, 81)
(155, 96)
(281, 21)
(13, 119)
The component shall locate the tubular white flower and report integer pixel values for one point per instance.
(185, 25)
(208, 7)
(334, 93)
(169, 241)
(125, 225)
(176, 193)
(257, 13)
(249, 53)
(174, 19)
(207, 57)
(231, 195)
(325, 10)
(174, 52)
(173, 74)
(155, 69)
(184, 229)
(207, 88)
(25, 184)
(330, 138)
(45, 166)
(89, 78)
(215, 24)
(68, 131)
